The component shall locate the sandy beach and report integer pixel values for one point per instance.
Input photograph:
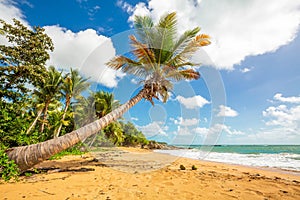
(128, 173)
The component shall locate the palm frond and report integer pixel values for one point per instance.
(141, 71)
(184, 39)
(190, 49)
(142, 52)
(203, 39)
(190, 74)
(120, 61)
(179, 75)
(143, 26)
(166, 31)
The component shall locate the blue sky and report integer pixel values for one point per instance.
(249, 92)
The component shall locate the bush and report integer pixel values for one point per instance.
(8, 168)
(194, 167)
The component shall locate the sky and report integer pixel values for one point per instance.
(249, 91)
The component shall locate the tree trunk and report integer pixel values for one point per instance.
(28, 156)
(34, 122)
(44, 117)
(63, 118)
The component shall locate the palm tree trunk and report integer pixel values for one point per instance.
(34, 122)
(63, 118)
(28, 156)
(44, 117)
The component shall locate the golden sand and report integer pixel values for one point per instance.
(140, 174)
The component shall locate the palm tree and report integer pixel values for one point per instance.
(84, 112)
(114, 132)
(72, 87)
(98, 105)
(104, 103)
(46, 93)
(160, 58)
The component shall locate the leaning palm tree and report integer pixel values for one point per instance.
(160, 57)
(72, 87)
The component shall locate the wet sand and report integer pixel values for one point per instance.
(128, 173)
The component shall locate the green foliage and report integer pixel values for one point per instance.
(28, 174)
(182, 167)
(46, 94)
(29, 46)
(8, 168)
(75, 150)
(104, 103)
(114, 133)
(133, 136)
(72, 87)
(194, 167)
(22, 62)
(13, 124)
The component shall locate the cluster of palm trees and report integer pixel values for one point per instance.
(52, 99)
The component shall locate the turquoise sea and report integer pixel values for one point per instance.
(285, 157)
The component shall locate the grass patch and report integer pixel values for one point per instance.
(70, 151)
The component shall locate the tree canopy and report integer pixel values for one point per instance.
(23, 60)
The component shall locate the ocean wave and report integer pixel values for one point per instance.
(286, 161)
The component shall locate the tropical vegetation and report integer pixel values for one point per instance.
(37, 121)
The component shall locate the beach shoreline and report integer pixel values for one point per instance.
(131, 173)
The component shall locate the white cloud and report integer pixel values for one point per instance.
(134, 119)
(125, 6)
(292, 99)
(9, 11)
(192, 102)
(246, 70)
(139, 9)
(283, 116)
(238, 29)
(134, 81)
(154, 128)
(25, 2)
(185, 122)
(216, 129)
(184, 131)
(225, 111)
(283, 123)
(86, 51)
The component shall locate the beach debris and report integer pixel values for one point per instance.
(182, 167)
(194, 167)
(283, 191)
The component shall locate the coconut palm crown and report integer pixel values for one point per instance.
(160, 56)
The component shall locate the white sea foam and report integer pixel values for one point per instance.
(282, 160)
